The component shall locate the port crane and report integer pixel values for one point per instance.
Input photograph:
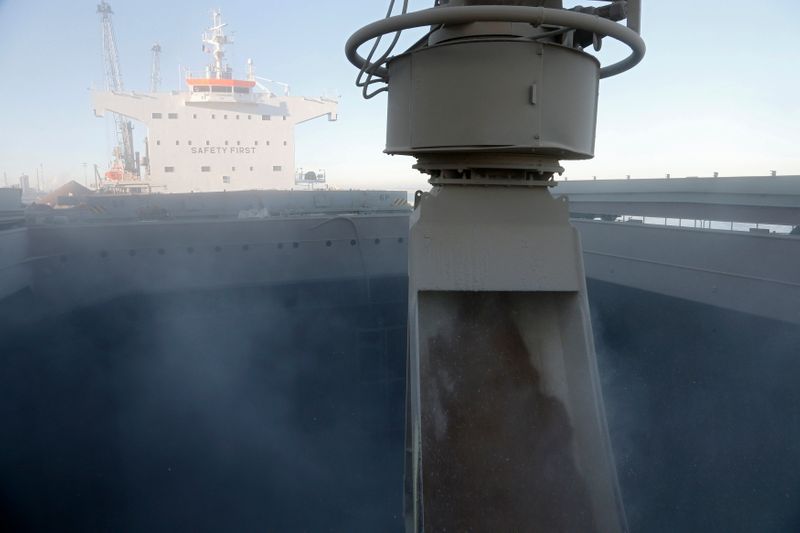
(505, 421)
(124, 166)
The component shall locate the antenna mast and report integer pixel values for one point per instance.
(124, 130)
(155, 70)
(214, 41)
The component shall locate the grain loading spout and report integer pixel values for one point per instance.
(506, 429)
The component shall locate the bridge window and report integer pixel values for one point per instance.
(172, 115)
(156, 115)
(205, 169)
(264, 117)
(241, 90)
(169, 169)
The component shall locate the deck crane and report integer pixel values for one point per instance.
(124, 167)
(155, 69)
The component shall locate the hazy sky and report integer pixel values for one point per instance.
(716, 92)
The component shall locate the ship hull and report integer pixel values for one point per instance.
(214, 376)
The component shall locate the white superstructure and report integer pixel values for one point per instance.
(221, 134)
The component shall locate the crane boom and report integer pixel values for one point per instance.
(123, 152)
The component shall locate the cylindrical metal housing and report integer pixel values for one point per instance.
(493, 95)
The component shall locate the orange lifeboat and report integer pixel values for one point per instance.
(116, 172)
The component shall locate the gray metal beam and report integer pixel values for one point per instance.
(745, 272)
(768, 200)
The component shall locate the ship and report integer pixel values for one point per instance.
(232, 358)
(223, 133)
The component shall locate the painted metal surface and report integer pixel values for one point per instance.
(504, 240)
(762, 199)
(739, 271)
(104, 247)
(474, 96)
(506, 423)
(197, 140)
(101, 208)
(72, 266)
(220, 82)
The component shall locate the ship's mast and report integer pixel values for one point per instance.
(215, 39)
(124, 130)
(155, 69)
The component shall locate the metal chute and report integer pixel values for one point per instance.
(506, 429)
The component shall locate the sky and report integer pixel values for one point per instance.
(716, 92)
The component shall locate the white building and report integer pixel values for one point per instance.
(221, 134)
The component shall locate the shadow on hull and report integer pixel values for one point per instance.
(283, 409)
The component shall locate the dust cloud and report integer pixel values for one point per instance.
(207, 411)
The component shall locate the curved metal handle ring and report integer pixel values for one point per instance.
(467, 14)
